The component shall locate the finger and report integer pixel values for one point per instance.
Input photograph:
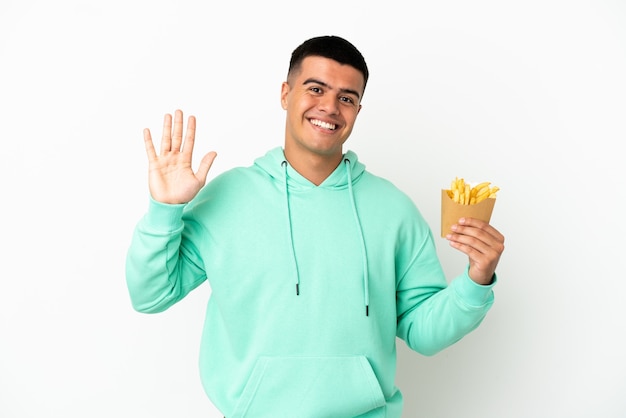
(470, 239)
(205, 166)
(190, 136)
(147, 139)
(177, 135)
(466, 243)
(483, 258)
(480, 237)
(166, 136)
(481, 226)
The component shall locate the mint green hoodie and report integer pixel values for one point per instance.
(310, 285)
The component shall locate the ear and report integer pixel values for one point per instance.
(284, 92)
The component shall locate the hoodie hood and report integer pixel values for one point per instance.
(272, 164)
(347, 173)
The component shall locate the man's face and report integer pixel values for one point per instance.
(322, 101)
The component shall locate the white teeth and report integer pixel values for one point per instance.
(324, 125)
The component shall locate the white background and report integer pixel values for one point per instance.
(530, 95)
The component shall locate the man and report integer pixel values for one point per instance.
(315, 264)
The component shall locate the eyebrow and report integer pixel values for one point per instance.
(315, 81)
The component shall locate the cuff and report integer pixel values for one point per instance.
(164, 217)
(472, 293)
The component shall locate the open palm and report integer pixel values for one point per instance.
(171, 177)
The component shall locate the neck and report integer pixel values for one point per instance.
(313, 167)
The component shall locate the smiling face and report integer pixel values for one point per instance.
(322, 100)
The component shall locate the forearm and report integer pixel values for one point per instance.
(446, 316)
(159, 270)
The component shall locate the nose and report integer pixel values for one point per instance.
(328, 103)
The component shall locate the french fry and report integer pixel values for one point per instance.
(463, 193)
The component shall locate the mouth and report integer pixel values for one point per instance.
(323, 125)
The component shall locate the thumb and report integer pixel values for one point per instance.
(205, 166)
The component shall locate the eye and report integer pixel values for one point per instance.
(316, 89)
(349, 100)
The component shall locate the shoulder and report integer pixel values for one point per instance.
(234, 177)
(381, 188)
(227, 187)
(386, 205)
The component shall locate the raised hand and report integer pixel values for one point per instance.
(482, 243)
(171, 177)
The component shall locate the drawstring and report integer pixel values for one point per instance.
(358, 225)
(290, 231)
(366, 284)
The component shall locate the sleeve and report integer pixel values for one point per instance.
(433, 315)
(162, 265)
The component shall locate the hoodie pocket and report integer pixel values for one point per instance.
(310, 387)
